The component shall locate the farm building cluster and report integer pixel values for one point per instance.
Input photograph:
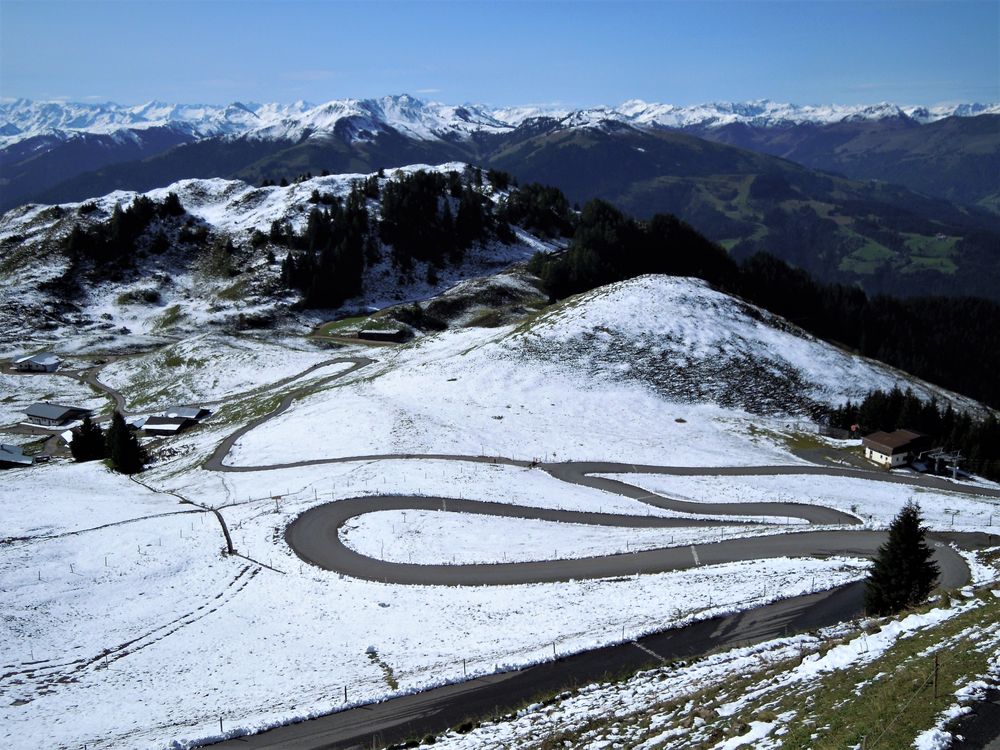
(52, 422)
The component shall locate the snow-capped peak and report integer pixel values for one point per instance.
(423, 120)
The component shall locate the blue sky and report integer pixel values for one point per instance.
(501, 53)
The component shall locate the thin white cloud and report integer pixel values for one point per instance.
(427, 91)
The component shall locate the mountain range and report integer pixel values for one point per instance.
(23, 118)
(896, 199)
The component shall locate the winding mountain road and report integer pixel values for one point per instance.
(315, 538)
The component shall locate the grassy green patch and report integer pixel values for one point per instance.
(350, 326)
(168, 318)
(896, 701)
(868, 258)
(233, 292)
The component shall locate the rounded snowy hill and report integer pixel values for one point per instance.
(693, 343)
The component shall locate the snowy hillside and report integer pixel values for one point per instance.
(415, 118)
(692, 343)
(690, 367)
(115, 585)
(179, 289)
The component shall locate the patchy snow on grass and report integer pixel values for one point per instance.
(208, 368)
(982, 639)
(18, 392)
(981, 574)
(652, 706)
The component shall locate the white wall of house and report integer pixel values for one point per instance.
(896, 459)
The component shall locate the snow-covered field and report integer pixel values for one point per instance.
(431, 537)
(191, 635)
(652, 370)
(877, 502)
(257, 646)
(18, 392)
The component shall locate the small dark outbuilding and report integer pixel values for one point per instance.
(12, 456)
(166, 425)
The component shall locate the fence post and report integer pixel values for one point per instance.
(935, 676)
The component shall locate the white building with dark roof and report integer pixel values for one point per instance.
(54, 415)
(892, 449)
(44, 362)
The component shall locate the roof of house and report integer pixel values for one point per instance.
(166, 424)
(54, 411)
(45, 358)
(186, 412)
(892, 442)
(14, 454)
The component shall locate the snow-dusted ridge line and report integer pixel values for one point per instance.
(424, 120)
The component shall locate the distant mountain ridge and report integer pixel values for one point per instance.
(24, 118)
(750, 187)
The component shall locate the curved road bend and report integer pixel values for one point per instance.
(315, 537)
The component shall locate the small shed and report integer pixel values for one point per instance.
(54, 415)
(12, 456)
(166, 425)
(892, 449)
(187, 412)
(44, 362)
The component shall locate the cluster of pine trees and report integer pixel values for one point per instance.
(977, 439)
(119, 445)
(609, 246)
(542, 210)
(328, 260)
(113, 243)
(425, 216)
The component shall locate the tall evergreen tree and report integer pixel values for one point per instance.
(88, 442)
(903, 573)
(124, 452)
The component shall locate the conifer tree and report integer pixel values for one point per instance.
(124, 452)
(88, 442)
(903, 573)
